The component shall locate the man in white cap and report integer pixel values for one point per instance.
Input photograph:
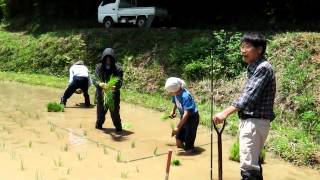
(186, 130)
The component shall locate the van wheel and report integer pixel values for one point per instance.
(108, 22)
(141, 22)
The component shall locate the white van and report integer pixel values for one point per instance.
(126, 11)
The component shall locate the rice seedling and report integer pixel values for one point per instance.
(124, 175)
(85, 133)
(3, 146)
(173, 125)
(38, 176)
(21, 124)
(126, 126)
(119, 157)
(105, 151)
(22, 167)
(68, 172)
(5, 128)
(37, 116)
(164, 117)
(13, 155)
(55, 107)
(155, 151)
(137, 169)
(80, 126)
(66, 147)
(133, 144)
(59, 135)
(98, 144)
(175, 162)
(52, 128)
(81, 156)
(58, 162)
(30, 144)
(99, 164)
(107, 93)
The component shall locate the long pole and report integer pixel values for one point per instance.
(218, 130)
(211, 112)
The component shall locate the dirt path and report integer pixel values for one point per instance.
(38, 145)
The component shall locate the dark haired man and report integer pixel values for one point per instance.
(254, 106)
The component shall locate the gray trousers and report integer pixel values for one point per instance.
(253, 134)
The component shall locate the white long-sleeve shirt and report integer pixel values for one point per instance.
(79, 71)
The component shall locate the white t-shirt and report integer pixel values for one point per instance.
(79, 71)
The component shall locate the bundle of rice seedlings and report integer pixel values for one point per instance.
(55, 107)
(108, 94)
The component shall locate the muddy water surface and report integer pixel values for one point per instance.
(35, 144)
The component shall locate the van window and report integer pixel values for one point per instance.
(104, 2)
(126, 4)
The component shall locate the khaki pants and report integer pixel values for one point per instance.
(253, 134)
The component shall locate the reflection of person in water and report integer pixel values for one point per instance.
(78, 79)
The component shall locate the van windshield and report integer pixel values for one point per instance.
(105, 2)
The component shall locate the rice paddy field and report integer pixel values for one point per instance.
(40, 145)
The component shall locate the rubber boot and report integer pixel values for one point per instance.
(251, 175)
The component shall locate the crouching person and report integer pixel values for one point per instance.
(104, 71)
(186, 130)
(78, 79)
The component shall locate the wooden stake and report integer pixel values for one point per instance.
(168, 164)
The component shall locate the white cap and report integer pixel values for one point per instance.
(174, 84)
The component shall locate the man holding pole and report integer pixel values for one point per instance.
(255, 105)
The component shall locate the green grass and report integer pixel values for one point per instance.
(55, 107)
(235, 155)
(293, 145)
(34, 79)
